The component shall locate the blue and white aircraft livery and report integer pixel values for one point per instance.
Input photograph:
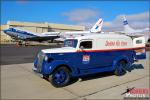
(30, 36)
(18, 34)
(135, 33)
(128, 29)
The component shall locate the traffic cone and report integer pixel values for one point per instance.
(17, 45)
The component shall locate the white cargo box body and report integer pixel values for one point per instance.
(114, 42)
(108, 41)
(139, 42)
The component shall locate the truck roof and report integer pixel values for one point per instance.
(94, 36)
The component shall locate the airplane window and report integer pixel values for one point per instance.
(86, 44)
(138, 41)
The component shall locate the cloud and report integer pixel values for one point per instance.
(88, 17)
(85, 17)
(87, 25)
(81, 15)
(136, 21)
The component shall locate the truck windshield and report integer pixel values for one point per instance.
(70, 43)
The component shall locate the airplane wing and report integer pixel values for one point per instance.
(97, 28)
(42, 38)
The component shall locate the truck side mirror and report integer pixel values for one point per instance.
(81, 47)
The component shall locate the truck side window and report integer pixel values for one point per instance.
(138, 41)
(86, 44)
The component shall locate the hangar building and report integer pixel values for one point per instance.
(38, 28)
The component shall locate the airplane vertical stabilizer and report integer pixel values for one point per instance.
(127, 28)
(97, 28)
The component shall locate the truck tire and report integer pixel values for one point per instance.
(45, 76)
(60, 77)
(120, 68)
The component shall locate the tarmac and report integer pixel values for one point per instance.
(12, 54)
(18, 81)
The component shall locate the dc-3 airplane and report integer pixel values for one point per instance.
(23, 35)
(18, 34)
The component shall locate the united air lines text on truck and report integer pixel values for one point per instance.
(117, 43)
(88, 55)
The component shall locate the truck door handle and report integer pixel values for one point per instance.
(60, 54)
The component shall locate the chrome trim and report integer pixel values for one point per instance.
(41, 57)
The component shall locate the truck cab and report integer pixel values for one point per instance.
(86, 55)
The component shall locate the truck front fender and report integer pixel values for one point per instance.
(55, 64)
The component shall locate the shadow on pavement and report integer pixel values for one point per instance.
(101, 75)
(95, 76)
(135, 66)
(106, 74)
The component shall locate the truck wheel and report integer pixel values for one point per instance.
(120, 68)
(60, 77)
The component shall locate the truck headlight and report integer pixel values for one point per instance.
(46, 58)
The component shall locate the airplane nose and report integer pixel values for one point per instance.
(5, 31)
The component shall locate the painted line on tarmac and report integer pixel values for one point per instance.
(110, 87)
(77, 96)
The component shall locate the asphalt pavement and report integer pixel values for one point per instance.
(12, 54)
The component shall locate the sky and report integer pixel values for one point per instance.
(84, 13)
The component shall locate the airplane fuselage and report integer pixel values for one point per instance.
(26, 36)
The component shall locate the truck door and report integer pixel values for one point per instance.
(139, 43)
(85, 57)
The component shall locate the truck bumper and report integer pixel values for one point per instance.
(36, 72)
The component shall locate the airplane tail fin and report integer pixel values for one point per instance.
(127, 28)
(125, 22)
(97, 28)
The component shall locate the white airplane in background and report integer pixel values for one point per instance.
(135, 33)
(23, 35)
(128, 29)
(97, 28)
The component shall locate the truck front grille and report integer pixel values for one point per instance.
(40, 61)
